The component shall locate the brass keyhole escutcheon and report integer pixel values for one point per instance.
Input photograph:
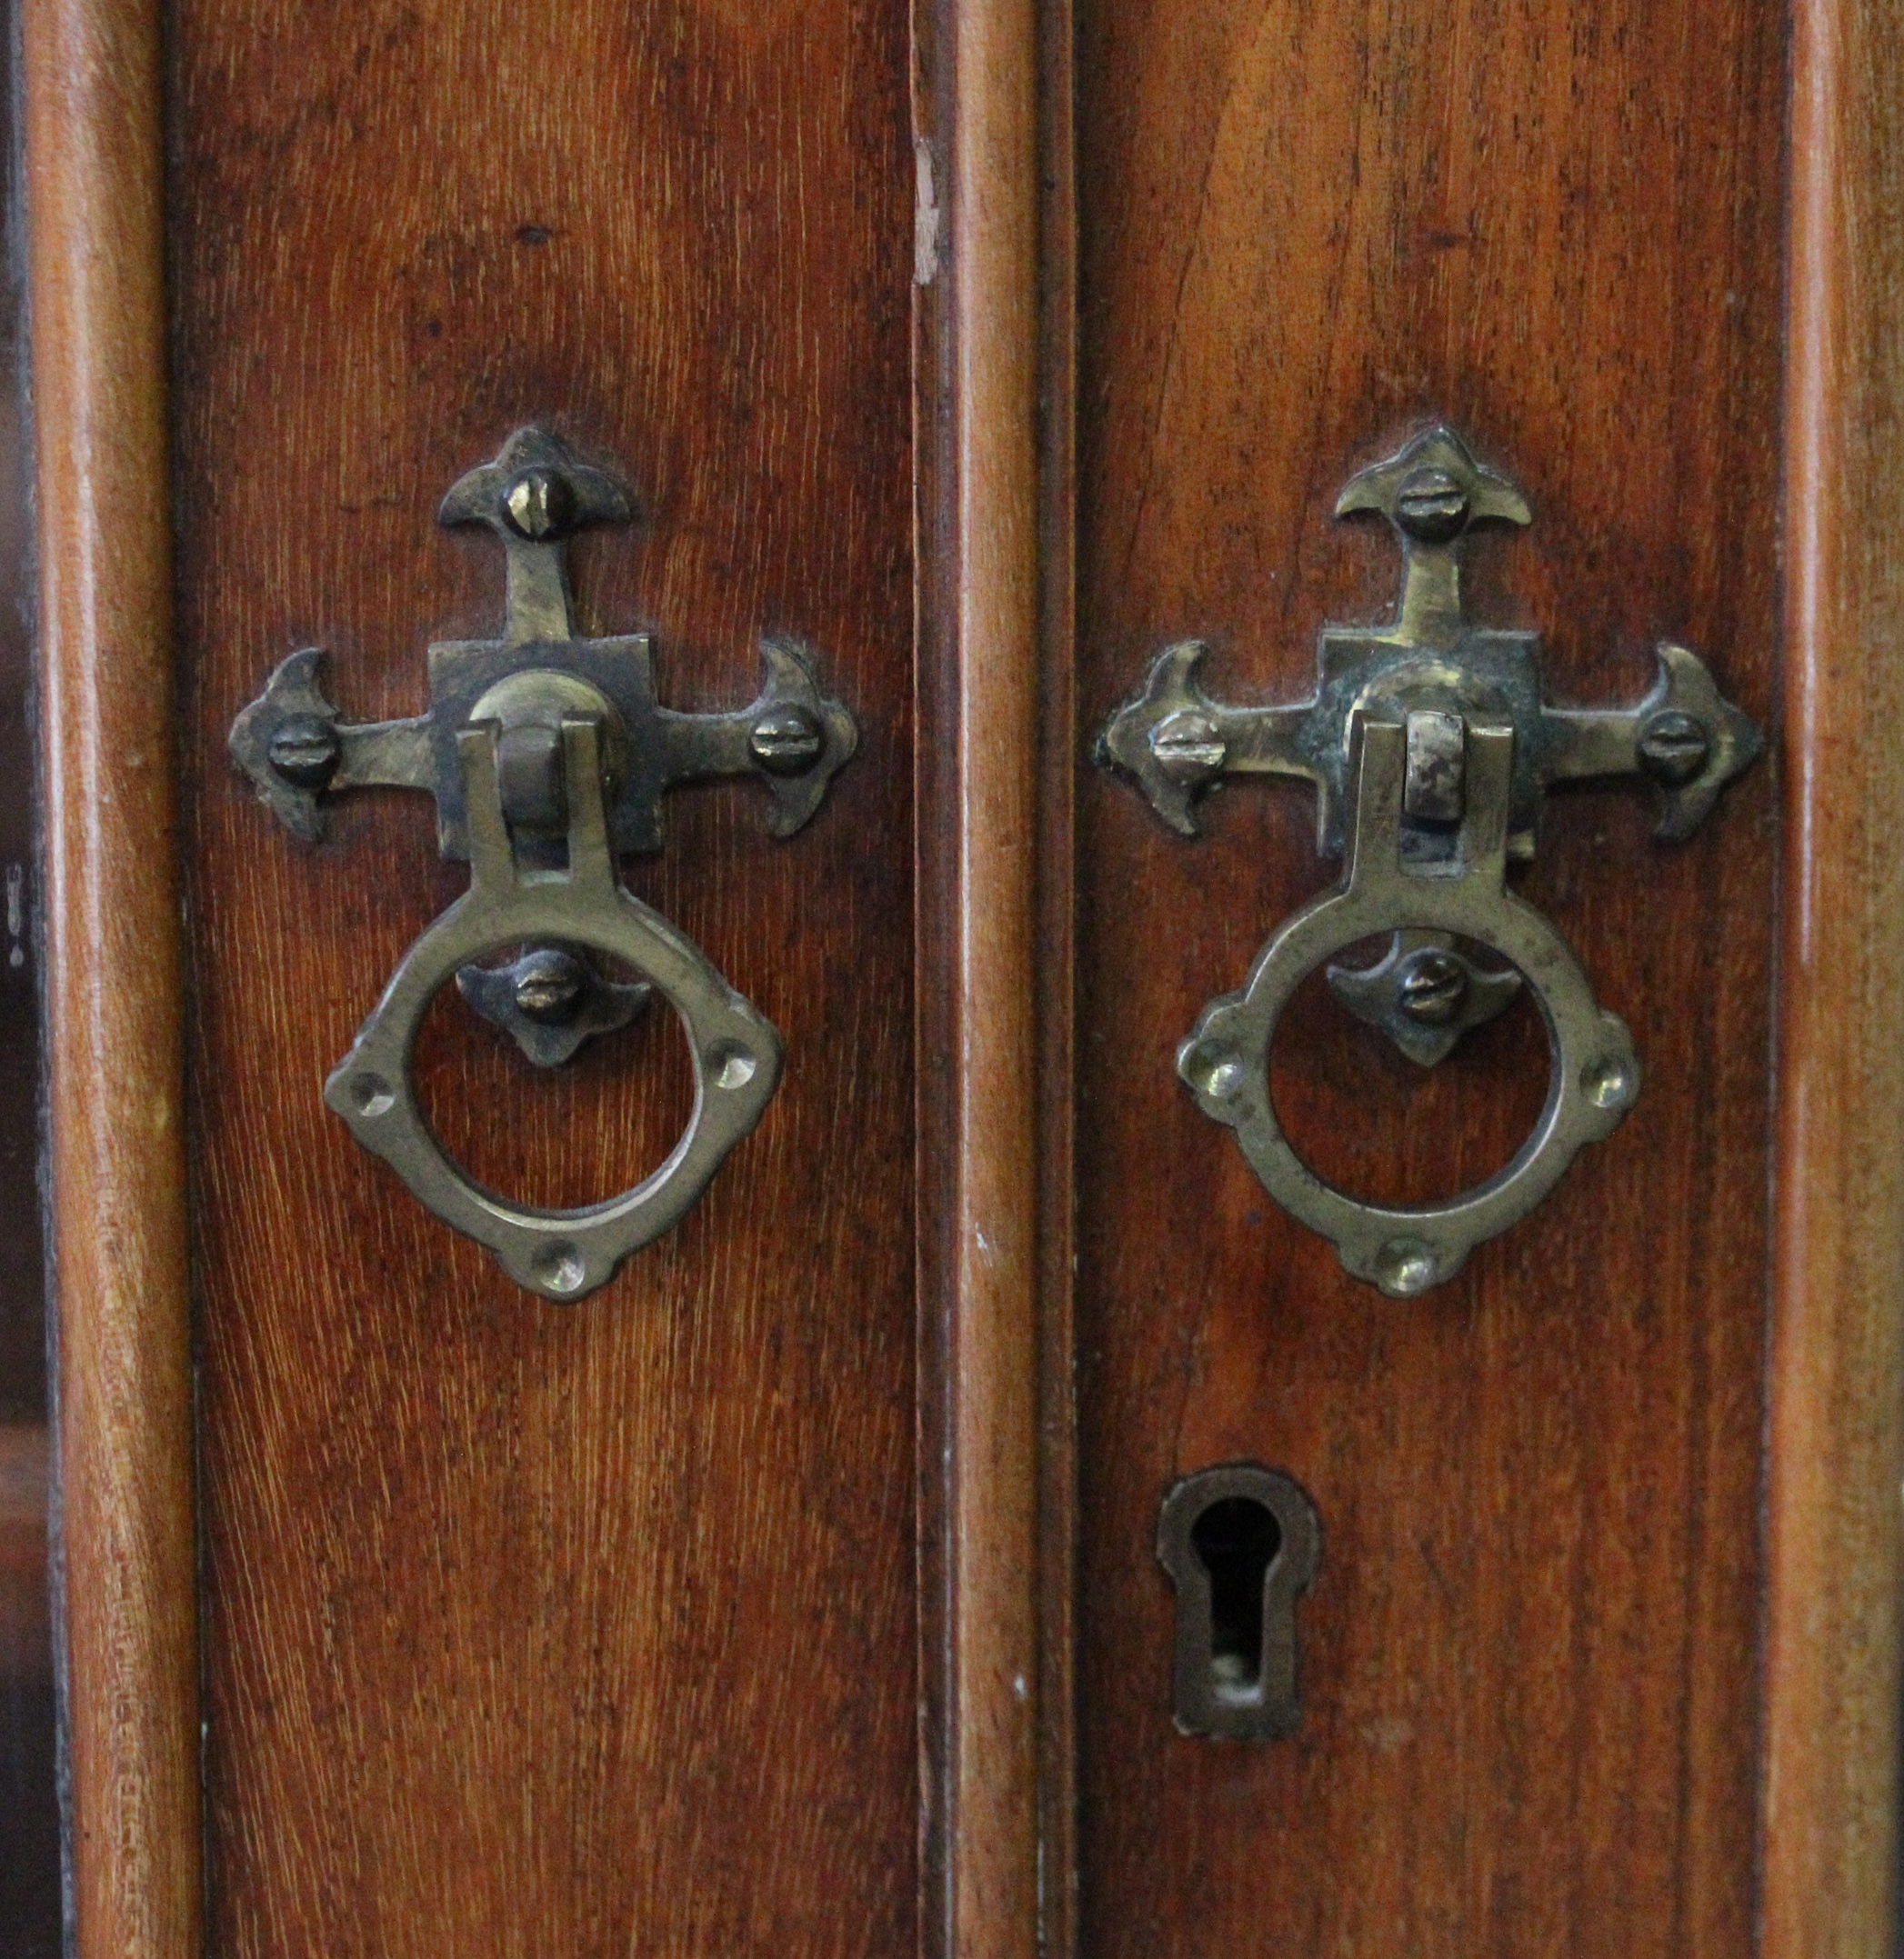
(1241, 1543)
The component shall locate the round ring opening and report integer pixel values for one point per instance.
(560, 1138)
(1380, 1127)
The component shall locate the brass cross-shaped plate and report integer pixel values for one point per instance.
(536, 496)
(1179, 743)
(1431, 745)
(548, 755)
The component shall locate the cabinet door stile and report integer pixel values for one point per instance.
(1837, 1430)
(114, 990)
(1056, 981)
(980, 755)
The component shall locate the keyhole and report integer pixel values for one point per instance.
(1241, 1545)
(1238, 1538)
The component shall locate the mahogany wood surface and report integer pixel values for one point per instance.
(993, 1348)
(534, 1629)
(994, 1168)
(1835, 1553)
(619, 1627)
(1057, 984)
(1528, 1661)
(115, 993)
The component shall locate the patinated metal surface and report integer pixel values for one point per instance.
(530, 742)
(1437, 732)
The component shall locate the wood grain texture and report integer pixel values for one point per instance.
(115, 995)
(1528, 1661)
(1835, 1554)
(540, 1629)
(991, 1345)
(1056, 986)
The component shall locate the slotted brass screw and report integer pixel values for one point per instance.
(540, 506)
(549, 983)
(1187, 747)
(1673, 746)
(1432, 986)
(1432, 507)
(304, 751)
(785, 741)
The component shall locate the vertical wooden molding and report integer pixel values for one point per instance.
(991, 1345)
(96, 196)
(1830, 1844)
(1056, 912)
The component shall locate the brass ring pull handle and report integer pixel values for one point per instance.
(561, 1254)
(1595, 1076)
(548, 753)
(1430, 745)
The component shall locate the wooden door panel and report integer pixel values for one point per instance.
(532, 1628)
(1527, 1662)
(798, 1590)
